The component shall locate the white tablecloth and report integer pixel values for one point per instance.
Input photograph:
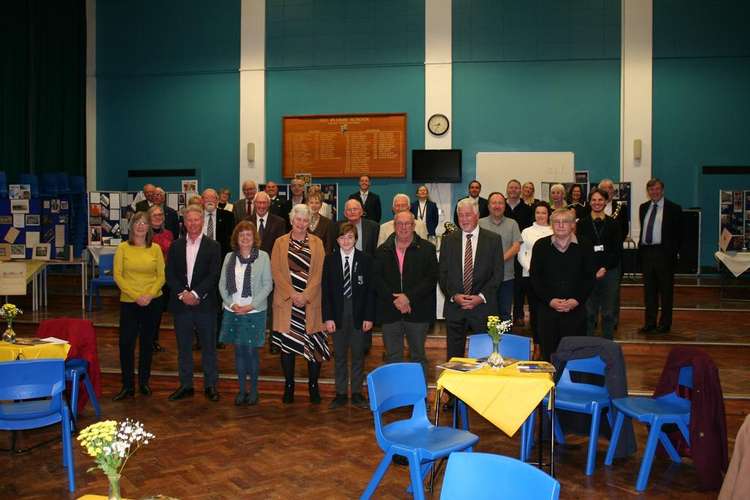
(736, 262)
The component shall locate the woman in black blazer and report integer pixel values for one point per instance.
(348, 312)
(425, 210)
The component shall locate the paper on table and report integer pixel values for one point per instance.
(59, 234)
(54, 340)
(32, 238)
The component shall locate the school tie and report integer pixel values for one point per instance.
(347, 278)
(468, 265)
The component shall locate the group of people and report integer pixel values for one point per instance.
(220, 270)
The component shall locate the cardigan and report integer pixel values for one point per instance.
(138, 271)
(262, 284)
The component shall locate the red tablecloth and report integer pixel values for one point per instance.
(81, 335)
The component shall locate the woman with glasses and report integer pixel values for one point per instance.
(139, 273)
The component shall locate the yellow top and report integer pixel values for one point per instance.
(503, 396)
(138, 271)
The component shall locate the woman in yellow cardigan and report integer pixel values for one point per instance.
(297, 268)
(139, 273)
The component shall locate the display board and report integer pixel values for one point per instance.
(734, 216)
(26, 221)
(329, 146)
(494, 170)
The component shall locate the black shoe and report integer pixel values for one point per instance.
(400, 460)
(358, 401)
(339, 401)
(314, 394)
(211, 393)
(663, 329)
(158, 347)
(239, 400)
(288, 394)
(124, 394)
(145, 390)
(251, 399)
(647, 329)
(181, 393)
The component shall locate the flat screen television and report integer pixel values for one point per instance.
(435, 165)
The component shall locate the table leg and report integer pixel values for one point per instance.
(44, 286)
(552, 432)
(34, 288)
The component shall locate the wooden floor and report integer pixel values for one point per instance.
(209, 450)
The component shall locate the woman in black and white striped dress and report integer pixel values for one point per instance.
(297, 267)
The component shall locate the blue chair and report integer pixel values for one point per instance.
(483, 476)
(105, 278)
(511, 346)
(399, 385)
(655, 412)
(76, 371)
(31, 395)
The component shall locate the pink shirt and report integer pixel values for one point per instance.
(400, 254)
(191, 253)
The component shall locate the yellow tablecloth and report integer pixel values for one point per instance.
(505, 397)
(10, 352)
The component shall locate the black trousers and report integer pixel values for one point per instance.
(348, 337)
(458, 328)
(554, 325)
(519, 292)
(533, 307)
(137, 322)
(657, 265)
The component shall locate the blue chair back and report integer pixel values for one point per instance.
(106, 264)
(512, 346)
(482, 476)
(32, 379)
(593, 365)
(686, 377)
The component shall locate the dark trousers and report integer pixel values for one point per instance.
(348, 337)
(533, 307)
(658, 282)
(604, 297)
(204, 324)
(505, 293)
(519, 292)
(458, 328)
(164, 303)
(416, 335)
(554, 325)
(137, 322)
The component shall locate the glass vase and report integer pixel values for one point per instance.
(495, 360)
(114, 487)
(9, 335)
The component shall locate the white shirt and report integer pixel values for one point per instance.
(530, 235)
(191, 254)
(363, 196)
(422, 210)
(474, 238)
(358, 244)
(608, 208)
(351, 263)
(239, 279)
(656, 239)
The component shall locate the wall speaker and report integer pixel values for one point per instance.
(250, 151)
(637, 145)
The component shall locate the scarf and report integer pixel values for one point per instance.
(230, 276)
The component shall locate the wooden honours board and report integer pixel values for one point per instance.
(345, 145)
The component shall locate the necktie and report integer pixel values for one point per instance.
(347, 279)
(650, 224)
(468, 265)
(261, 229)
(248, 208)
(210, 227)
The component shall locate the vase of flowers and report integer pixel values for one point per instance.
(9, 312)
(496, 328)
(111, 444)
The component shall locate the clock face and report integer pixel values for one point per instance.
(438, 124)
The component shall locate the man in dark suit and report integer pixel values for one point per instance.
(193, 267)
(516, 209)
(171, 219)
(367, 230)
(618, 210)
(280, 207)
(218, 223)
(244, 206)
(659, 244)
(471, 269)
(269, 226)
(348, 306)
(475, 187)
(143, 202)
(370, 201)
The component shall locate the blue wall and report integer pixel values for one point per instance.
(167, 90)
(541, 75)
(342, 56)
(701, 102)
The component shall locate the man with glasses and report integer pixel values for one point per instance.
(562, 274)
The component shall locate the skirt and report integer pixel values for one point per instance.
(313, 346)
(243, 329)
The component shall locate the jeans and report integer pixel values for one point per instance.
(505, 299)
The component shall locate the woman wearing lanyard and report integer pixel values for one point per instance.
(425, 210)
(603, 233)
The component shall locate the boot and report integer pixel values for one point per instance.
(313, 374)
(287, 365)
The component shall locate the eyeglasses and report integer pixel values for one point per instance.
(141, 223)
(562, 222)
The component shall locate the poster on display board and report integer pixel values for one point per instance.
(734, 219)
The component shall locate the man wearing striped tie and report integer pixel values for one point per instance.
(471, 269)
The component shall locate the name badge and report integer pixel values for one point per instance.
(598, 248)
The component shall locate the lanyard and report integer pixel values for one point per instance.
(421, 211)
(596, 231)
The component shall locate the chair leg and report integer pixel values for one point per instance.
(377, 476)
(92, 395)
(593, 439)
(464, 414)
(667, 444)
(524, 438)
(531, 421)
(559, 434)
(614, 438)
(415, 472)
(648, 456)
(74, 388)
(68, 449)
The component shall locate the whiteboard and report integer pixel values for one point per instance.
(494, 170)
